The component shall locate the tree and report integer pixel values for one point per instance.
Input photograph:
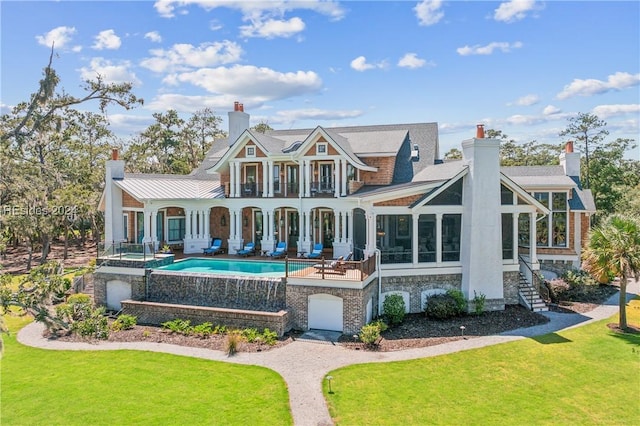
(199, 133)
(588, 131)
(524, 154)
(262, 127)
(453, 154)
(613, 176)
(613, 249)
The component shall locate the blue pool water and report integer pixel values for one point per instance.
(227, 267)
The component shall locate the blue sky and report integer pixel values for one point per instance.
(523, 67)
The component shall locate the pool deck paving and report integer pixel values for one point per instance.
(304, 364)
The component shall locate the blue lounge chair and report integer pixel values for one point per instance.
(249, 248)
(281, 250)
(316, 252)
(216, 247)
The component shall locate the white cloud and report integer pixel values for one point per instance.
(527, 100)
(58, 37)
(411, 60)
(191, 104)
(254, 9)
(272, 28)
(126, 124)
(360, 64)
(513, 10)
(588, 87)
(428, 12)
(250, 81)
(489, 48)
(551, 110)
(184, 56)
(109, 71)
(607, 111)
(154, 36)
(107, 39)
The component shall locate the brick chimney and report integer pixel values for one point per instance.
(238, 122)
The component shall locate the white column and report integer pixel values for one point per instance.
(343, 178)
(532, 238)
(238, 182)
(207, 220)
(307, 178)
(439, 238)
(265, 179)
(154, 225)
(270, 178)
(232, 179)
(349, 230)
(307, 222)
(414, 238)
(515, 237)
(194, 224)
(336, 225)
(187, 224)
(336, 178)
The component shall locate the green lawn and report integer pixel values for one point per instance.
(130, 387)
(583, 376)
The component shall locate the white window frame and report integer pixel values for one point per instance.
(322, 148)
(250, 151)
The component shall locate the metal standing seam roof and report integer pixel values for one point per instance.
(166, 187)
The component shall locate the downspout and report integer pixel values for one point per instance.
(377, 252)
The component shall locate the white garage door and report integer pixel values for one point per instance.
(117, 291)
(325, 312)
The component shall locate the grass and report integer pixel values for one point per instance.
(133, 387)
(584, 376)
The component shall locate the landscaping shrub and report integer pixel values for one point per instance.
(269, 337)
(479, 301)
(203, 330)
(573, 285)
(443, 306)
(370, 333)
(77, 308)
(179, 326)
(95, 325)
(124, 322)
(250, 334)
(233, 343)
(394, 308)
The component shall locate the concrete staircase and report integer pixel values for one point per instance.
(530, 297)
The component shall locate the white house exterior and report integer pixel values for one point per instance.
(364, 190)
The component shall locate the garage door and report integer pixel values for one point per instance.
(117, 291)
(325, 312)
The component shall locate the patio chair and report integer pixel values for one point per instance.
(280, 251)
(216, 247)
(336, 266)
(249, 249)
(316, 252)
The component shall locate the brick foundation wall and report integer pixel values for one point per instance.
(415, 285)
(157, 313)
(100, 281)
(510, 288)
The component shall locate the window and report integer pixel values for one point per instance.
(251, 151)
(507, 236)
(125, 227)
(506, 196)
(451, 229)
(321, 149)
(523, 229)
(427, 238)
(452, 196)
(552, 229)
(176, 228)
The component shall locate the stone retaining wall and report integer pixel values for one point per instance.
(156, 313)
(233, 292)
(416, 284)
(100, 280)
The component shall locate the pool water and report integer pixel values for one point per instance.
(227, 267)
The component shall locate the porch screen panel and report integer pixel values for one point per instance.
(507, 236)
(427, 238)
(451, 230)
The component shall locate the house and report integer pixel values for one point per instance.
(373, 191)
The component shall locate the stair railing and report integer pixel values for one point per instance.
(534, 278)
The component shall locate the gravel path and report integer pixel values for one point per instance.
(304, 364)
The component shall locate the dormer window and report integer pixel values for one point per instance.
(415, 152)
(250, 151)
(321, 148)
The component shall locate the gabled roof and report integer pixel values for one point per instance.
(169, 187)
(539, 176)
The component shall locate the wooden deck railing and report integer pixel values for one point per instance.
(330, 269)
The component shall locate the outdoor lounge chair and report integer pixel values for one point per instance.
(336, 266)
(316, 252)
(280, 251)
(249, 249)
(216, 247)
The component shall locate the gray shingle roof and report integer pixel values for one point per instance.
(538, 176)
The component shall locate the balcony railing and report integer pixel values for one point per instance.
(328, 269)
(322, 189)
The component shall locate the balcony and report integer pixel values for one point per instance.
(325, 189)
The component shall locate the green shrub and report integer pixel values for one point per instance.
(370, 333)
(479, 301)
(459, 298)
(124, 322)
(443, 306)
(269, 337)
(250, 334)
(203, 330)
(78, 307)
(178, 326)
(95, 325)
(220, 329)
(394, 308)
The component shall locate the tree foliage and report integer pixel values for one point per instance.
(613, 250)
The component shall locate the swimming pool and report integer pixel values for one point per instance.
(228, 267)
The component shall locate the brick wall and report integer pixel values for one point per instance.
(415, 285)
(216, 229)
(384, 175)
(157, 313)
